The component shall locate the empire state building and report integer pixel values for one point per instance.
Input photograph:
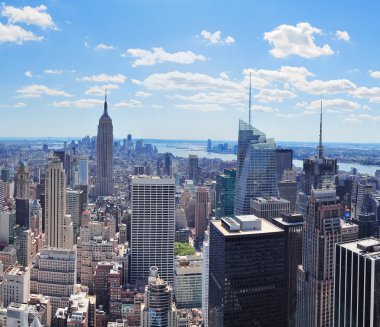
(104, 155)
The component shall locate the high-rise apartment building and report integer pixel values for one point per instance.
(256, 174)
(202, 211)
(193, 168)
(54, 274)
(152, 226)
(58, 225)
(357, 275)
(225, 193)
(104, 155)
(315, 289)
(246, 270)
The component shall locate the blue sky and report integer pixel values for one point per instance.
(180, 69)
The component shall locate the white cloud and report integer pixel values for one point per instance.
(212, 97)
(36, 90)
(216, 38)
(268, 95)
(29, 74)
(102, 46)
(142, 94)
(257, 107)
(279, 114)
(156, 106)
(128, 104)
(200, 107)
(16, 34)
(224, 75)
(189, 81)
(53, 71)
(326, 87)
(100, 89)
(334, 105)
(353, 118)
(28, 15)
(82, 103)
(19, 105)
(343, 35)
(104, 78)
(374, 73)
(159, 55)
(288, 40)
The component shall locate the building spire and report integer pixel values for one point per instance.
(105, 113)
(249, 101)
(320, 146)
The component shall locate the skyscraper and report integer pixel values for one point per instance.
(104, 155)
(225, 192)
(58, 225)
(193, 168)
(202, 211)
(152, 226)
(247, 262)
(357, 297)
(318, 173)
(315, 285)
(83, 170)
(284, 161)
(22, 182)
(256, 174)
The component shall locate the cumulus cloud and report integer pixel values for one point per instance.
(374, 73)
(28, 74)
(290, 115)
(269, 95)
(104, 78)
(288, 40)
(15, 34)
(128, 104)
(257, 107)
(19, 105)
(100, 89)
(102, 46)
(333, 105)
(354, 118)
(212, 97)
(200, 107)
(216, 38)
(28, 15)
(142, 94)
(36, 90)
(176, 80)
(343, 35)
(81, 103)
(159, 55)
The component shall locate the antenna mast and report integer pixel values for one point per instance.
(249, 103)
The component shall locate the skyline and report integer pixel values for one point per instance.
(193, 79)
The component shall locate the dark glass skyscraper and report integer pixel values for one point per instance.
(104, 155)
(246, 270)
(225, 192)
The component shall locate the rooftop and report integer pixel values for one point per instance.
(369, 247)
(245, 225)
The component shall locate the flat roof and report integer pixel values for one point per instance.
(366, 242)
(266, 227)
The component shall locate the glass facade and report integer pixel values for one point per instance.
(225, 193)
(257, 167)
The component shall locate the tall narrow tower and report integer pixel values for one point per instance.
(58, 225)
(104, 155)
